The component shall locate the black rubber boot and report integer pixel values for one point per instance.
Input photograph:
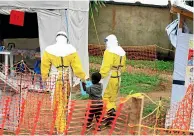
(110, 117)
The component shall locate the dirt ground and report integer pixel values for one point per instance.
(163, 90)
(39, 116)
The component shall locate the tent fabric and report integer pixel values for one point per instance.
(48, 25)
(76, 28)
(33, 4)
(66, 15)
(172, 30)
(180, 64)
(77, 22)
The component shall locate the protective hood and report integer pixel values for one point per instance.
(61, 48)
(113, 46)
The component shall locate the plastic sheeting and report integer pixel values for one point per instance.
(179, 87)
(74, 21)
(178, 91)
(172, 30)
(77, 22)
(81, 5)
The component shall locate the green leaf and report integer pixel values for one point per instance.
(99, 3)
(96, 9)
(96, 2)
(103, 3)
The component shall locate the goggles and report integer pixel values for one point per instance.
(105, 40)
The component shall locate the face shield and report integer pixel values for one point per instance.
(105, 41)
(111, 41)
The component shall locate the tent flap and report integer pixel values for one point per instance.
(71, 4)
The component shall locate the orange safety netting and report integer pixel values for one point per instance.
(132, 52)
(26, 108)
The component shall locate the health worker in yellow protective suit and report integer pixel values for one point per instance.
(113, 65)
(61, 56)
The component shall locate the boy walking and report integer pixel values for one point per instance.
(95, 94)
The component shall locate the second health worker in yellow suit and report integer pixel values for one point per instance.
(113, 65)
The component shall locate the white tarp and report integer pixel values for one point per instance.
(52, 21)
(78, 31)
(179, 88)
(172, 31)
(81, 5)
(70, 16)
(178, 91)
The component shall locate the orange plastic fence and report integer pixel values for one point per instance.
(132, 52)
(27, 109)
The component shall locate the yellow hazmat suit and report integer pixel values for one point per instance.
(61, 55)
(114, 63)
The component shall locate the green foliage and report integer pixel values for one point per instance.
(96, 59)
(138, 82)
(159, 65)
(165, 65)
(149, 108)
(93, 70)
(154, 65)
(80, 97)
(95, 5)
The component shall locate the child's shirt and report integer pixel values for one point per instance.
(95, 91)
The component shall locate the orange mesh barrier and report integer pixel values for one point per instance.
(26, 108)
(132, 52)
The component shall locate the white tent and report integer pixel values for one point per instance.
(53, 16)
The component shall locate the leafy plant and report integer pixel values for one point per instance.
(95, 5)
(138, 82)
(93, 70)
(79, 97)
(95, 59)
(149, 108)
(159, 65)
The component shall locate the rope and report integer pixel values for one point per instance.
(158, 112)
(150, 113)
(96, 29)
(137, 95)
(166, 129)
(141, 95)
(164, 48)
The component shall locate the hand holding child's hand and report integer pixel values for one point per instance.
(84, 86)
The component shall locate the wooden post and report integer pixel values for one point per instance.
(181, 21)
(135, 111)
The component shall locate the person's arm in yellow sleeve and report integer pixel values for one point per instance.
(45, 66)
(107, 64)
(124, 64)
(77, 67)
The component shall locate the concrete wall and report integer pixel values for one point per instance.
(133, 25)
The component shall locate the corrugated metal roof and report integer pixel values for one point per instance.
(147, 2)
